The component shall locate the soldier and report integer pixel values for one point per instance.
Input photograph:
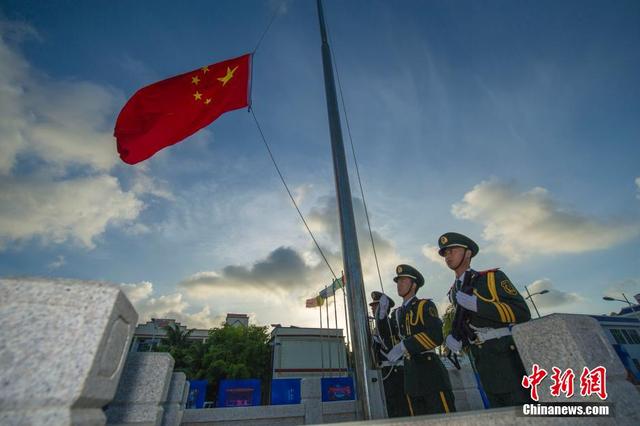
(426, 381)
(385, 336)
(487, 305)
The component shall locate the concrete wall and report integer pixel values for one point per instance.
(310, 411)
(329, 412)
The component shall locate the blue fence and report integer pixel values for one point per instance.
(338, 389)
(197, 393)
(285, 391)
(239, 393)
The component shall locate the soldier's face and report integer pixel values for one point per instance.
(403, 285)
(453, 256)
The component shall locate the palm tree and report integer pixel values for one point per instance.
(176, 338)
(177, 344)
(195, 366)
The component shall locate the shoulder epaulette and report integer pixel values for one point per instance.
(487, 271)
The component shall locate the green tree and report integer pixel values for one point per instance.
(194, 360)
(178, 345)
(229, 353)
(176, 337)
(237, 353)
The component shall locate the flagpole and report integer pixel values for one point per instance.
(335, 314)
(328, 330)
(321, 346)
(368, 380)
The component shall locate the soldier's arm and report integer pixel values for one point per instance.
(387, 331)
(509, 307)
(427, 333)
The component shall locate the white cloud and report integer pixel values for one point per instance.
(137, 292)
(61, 122)
(57, 152)
(284, 269)
(59, 211)
(553, 298)
(12, 68)
(520, 224)
(281, 7)
(431, 253)
(167, 306)
(145, 184)
(300, 193)
(280, 282)
(59, 262)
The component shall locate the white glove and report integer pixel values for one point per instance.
(453, 344)
(383, 307)
(469, 302)
(396, 352)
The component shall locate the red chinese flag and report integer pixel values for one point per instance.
(168, 111)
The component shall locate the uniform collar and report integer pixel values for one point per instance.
(408, 302)
(461, 277)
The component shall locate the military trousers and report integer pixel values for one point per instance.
(500, 369)
(435, 402)
(397, 404)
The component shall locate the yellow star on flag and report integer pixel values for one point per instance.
(205, 69)
(228, 76)
(197, 96)
(195, 80)
(208, 101)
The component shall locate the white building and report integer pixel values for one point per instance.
(237, 320)
(150, 335)
(630, 312)
(308, 352)
(623, 332)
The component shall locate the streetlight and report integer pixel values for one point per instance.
(530, 297)
(618, 300)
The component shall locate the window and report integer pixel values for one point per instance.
(632, 336)
(618, 336)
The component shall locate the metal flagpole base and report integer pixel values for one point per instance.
(378, 404)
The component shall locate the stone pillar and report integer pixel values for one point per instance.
(311, 398)
(175, 402)
(576, 341)
(63, 345)
(465, 388)
(185, 395)
(142, 390)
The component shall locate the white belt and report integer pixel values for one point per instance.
(398, 363)
(488, 333)
(407, 355)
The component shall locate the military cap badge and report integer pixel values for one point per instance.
(443, 240)
(399, 270)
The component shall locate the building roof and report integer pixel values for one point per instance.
(616, 319)
(629, 310)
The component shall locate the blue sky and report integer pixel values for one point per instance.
(514, 122)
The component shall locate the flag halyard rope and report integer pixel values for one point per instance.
(273, 160)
